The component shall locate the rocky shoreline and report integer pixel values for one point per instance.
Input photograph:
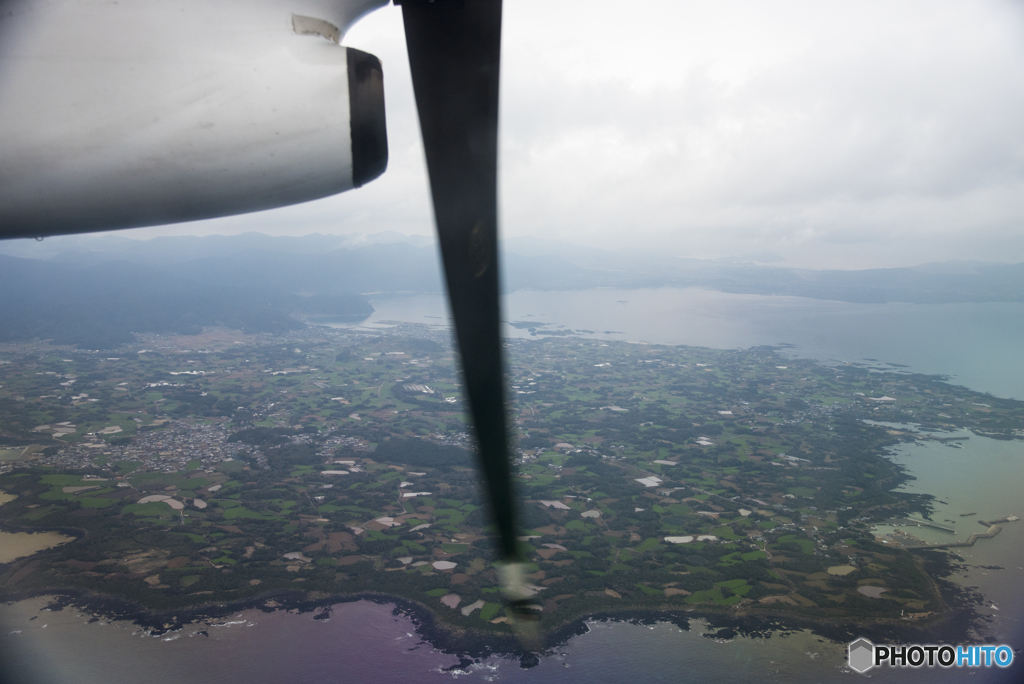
(961, 624)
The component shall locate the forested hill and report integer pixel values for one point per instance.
(389, 262)
(101, 305)
(96, 291)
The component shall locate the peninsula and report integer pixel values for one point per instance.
(225, 467)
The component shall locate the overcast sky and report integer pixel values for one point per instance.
(827, 134)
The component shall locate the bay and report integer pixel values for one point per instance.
(977, 345)
(14, 545)
(984, 478)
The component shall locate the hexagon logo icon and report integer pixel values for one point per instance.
(861, 655)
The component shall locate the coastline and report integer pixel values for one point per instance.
(955, 621)
(959, 624)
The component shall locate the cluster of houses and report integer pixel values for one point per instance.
(167, 450)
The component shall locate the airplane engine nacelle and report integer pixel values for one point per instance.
(146, 112)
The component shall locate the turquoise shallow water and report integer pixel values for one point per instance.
(984, 477)
(364, 642)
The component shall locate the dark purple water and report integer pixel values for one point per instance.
(364, 642)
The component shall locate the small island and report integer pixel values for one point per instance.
(232, 468)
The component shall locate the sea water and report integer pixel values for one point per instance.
(984, 477)
(978, 345)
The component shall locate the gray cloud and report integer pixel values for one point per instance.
(835, 134)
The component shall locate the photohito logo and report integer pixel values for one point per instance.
(864, 655)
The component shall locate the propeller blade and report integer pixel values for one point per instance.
(454, 53)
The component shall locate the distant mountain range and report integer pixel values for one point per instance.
(96, 291)
(101, 305)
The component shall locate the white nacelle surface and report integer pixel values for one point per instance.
(145, 112)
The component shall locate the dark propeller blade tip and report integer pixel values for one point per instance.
(454, 53)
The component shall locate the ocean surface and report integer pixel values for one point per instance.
(979, 345)
(985, 477)
(976, 344)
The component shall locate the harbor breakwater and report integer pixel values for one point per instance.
(992, 530)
